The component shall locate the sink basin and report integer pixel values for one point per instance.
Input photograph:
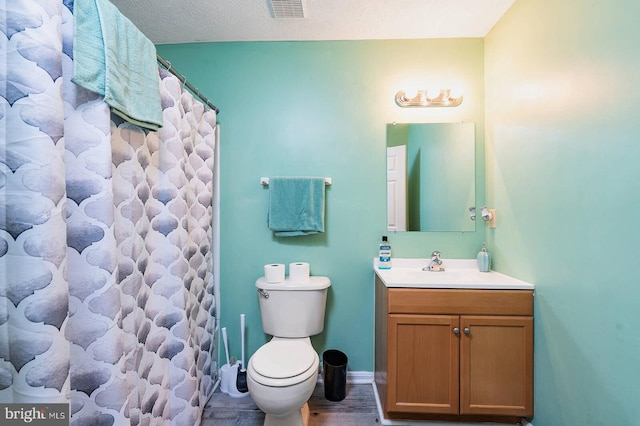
(458, 273)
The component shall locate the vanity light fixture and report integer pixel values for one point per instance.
(428, 98)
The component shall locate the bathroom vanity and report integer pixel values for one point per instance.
(454, 345)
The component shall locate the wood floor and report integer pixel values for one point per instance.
(357, 409)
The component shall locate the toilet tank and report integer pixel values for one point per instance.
(293, 308)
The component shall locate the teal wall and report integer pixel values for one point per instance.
(563, 102)
(321, 108)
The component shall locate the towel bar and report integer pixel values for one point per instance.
(265, 181)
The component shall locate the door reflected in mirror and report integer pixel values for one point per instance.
(430, 176)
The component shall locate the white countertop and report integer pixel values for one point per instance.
(458, 273)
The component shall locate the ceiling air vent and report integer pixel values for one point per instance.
(283, 9)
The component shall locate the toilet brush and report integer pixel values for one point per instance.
(241, 380)
(226, 344)
(225, 370)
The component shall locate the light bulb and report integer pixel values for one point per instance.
(432, 93)
(455, 93)
(410, 94)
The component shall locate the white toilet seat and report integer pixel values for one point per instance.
(283, 362)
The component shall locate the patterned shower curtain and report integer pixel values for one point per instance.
(106, 284)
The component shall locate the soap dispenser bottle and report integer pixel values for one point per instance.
(484, 260)
(384, 254)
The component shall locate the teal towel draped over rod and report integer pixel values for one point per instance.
(296, 205)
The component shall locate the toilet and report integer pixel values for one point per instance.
(282, 374)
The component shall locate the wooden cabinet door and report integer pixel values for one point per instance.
(423, 364)
(496, 365)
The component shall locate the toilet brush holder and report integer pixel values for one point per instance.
(228, 377)
(225, 378)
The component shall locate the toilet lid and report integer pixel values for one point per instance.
(281, 359)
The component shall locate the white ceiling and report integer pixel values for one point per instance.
(185, 21)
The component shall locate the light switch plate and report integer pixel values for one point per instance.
(492, 222)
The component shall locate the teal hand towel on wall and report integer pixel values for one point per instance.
(114, 59)
(296, 205)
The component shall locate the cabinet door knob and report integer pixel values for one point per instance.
(456, 331)
(467, 331)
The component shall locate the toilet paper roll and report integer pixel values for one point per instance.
(299, 271)
(274, 273)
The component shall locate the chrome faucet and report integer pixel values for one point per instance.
(436, 263)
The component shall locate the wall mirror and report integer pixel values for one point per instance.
(430, 176)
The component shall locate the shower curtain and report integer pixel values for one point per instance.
(106, 270)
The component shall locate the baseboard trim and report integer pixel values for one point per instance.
(356, 377)
(359, 377)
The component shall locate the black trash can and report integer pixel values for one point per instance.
(334, 368)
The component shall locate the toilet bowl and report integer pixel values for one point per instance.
(281, 376)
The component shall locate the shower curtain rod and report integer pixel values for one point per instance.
(167, 65)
